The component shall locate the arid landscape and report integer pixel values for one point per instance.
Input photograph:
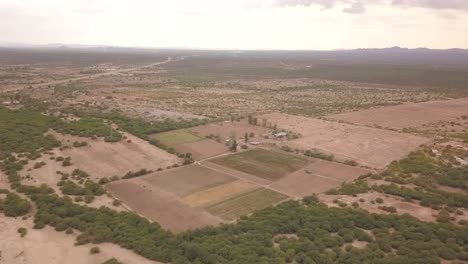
(156, 156)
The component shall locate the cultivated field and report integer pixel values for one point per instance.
(368, 146)
(218, 193)
(185, 180)
(202, 149)
(160, 206)
(267, 164)
(227, 130)
(246, 203)
(408, 115)
(176, 137)
(318, 177)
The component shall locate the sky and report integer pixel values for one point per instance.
(238, 24)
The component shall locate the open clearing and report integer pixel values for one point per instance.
(202, 149)
(267, 164)
(246, 203)
(318, 177)
(160, 206)
(185, 180)
(46, 245)
(103, 159)
(368, 146)
(408, 115)
(172, 138)
(229, 129)
(218, 193)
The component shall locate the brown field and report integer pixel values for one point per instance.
(205, 148)
(102, 159)
(368, 146)
(226, 130)
(246, 203)
(408, 115)
(185, 180)
(322, 176)
(218, 193)
(267, 164)
(46, 245)
(160, 206)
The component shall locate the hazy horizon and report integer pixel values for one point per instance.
(243, 25)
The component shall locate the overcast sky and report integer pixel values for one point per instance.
(241, 24)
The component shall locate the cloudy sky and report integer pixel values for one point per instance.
(241, 24)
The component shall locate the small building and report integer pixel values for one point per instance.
(254, 143)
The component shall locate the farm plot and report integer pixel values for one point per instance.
(368, 146)
(172, 138)
(185, 180)
(160, 206)
(246, 203)
(202, 149)
(407, 115)
(267, 164)
(210, 196)
(227, 130)
(318, 177)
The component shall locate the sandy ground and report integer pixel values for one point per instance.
(46, 246)
(322, 176)
(372, 147)
(160, 206)
(413, 209)
(205, 148)
(102, 159)
(408, 115)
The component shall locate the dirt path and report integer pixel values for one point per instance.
(92, 76)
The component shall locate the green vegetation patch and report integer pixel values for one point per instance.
(90, 127)
(246, 203)
(176, 137)
(23, 132)
(270, 165)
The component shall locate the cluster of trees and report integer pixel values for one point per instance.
(23, 132)
(321, 235)
(13, 205)
(89, 127)
(138, 173)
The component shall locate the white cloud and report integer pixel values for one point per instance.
(248, 24)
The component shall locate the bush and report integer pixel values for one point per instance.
(22, 231)
(112, 261)
(379, 200)
(95, 250)
(14, 206)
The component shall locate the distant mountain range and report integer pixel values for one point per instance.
(393, 55)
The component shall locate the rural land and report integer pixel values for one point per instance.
(137, 155)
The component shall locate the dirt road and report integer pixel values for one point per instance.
(91, 76)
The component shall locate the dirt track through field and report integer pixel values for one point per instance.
(91, 76)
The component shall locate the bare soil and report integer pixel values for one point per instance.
(102, 159)
(203, 149)
(318, 177)
(49, 246)
(372, 147)
(407, 115)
